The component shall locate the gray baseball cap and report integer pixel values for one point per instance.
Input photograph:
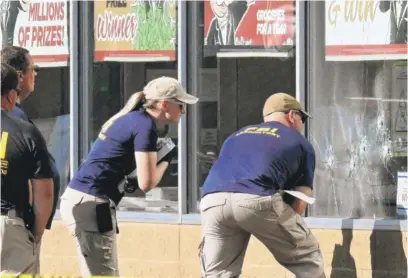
(164, 88)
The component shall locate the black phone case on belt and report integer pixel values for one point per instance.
(104, 218)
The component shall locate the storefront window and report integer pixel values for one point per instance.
(124, 62)
(48, 108)
(113, 84)
(106, 98)
(164, 197)
(359, 104)
(233, 79)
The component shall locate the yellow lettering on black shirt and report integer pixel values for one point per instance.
(3, 150)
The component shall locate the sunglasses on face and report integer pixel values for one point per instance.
(302, 116)
(181, 105)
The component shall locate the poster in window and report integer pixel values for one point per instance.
(399, 108)
(39, 26)
(402, 193)
(137, 30)
(361, 30)
(234, 26)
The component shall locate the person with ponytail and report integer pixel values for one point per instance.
(128, 139)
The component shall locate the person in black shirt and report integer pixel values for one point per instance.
(24, 157)
(20, 59)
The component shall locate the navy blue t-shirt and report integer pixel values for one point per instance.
(261, 159)
(19, 113)
(113, 154)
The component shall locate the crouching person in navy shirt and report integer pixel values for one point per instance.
(241, 195)
(127, 139)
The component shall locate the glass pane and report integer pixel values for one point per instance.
(359, 131)
(164, 197)
(106, 98)
(48, 108)
(113, 84)
(232, 91)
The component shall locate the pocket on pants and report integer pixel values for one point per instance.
(211, 202)
(256, 203)
(99, 245)
(295, 228)
(80, 216)
(98, 252)
(67, 205)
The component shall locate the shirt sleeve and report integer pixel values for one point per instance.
(41, 162)
(19, 113)
(307, 167)
(146, 138)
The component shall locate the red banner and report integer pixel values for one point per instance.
(232, 25)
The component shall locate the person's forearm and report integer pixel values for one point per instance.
(299, 206)
(160, 169)
(42, 211)
(42, 206)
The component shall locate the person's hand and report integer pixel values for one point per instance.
(131, 184)
(38, 238)
(170, 156)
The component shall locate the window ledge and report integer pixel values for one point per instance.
(142, 217)
(334, 223)
(147, 217)
(312, 222)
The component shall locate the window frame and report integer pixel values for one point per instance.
(79, 96)
(396, 224)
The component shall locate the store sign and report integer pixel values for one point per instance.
(358, 30)
(135, 30)
(249, 26)
(39, 26)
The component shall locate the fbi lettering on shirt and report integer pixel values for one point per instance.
(3, 150)
(271, 131)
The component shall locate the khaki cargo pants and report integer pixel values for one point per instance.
(18, 250)
(97, 251)
(228, 221)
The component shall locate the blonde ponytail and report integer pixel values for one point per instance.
(135, 101)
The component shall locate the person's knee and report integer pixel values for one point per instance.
(212, 267)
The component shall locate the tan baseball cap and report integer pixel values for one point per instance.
(281, 102)
(164, 87)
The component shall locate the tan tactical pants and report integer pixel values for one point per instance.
(97, 251)
(228, 221)
(18, 250)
